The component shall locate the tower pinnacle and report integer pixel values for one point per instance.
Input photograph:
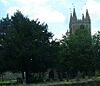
(70, 20)
(74, 15)
(82, 16)
(87, 15)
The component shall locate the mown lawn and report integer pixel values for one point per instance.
(7, 82)
(31, 85)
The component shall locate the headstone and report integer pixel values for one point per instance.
(24, 81)
(55, 75)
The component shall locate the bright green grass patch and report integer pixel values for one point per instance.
(98, 77)
(8, 82)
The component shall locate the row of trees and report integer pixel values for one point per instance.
(27, 46)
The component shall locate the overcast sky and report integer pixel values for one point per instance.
(55, 13)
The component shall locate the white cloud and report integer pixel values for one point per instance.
(59, 34)
(25, 10)
(48, 14)
(5, 2)
(42, 9)
(37, 2)
(95, 30)
(45, 12)
(11, 10)
(24, 1)
(94, 9)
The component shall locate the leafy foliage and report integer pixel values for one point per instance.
(27, 46)
(76, 50)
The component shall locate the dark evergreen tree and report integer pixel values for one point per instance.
(76, 52)
(27, 44)
(4, 26)
(96, 50)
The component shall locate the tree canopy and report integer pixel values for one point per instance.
(27, 46)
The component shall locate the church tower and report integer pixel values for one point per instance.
(75, 23)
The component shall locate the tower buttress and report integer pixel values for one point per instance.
(70, 22)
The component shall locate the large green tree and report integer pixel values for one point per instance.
(4, 25)
(76, 52)
(96, 49)
(27, 44)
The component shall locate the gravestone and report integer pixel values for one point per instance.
(51, 74)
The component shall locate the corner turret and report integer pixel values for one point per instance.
(70, 22)
(87, 15)
(74, 15)
(82, 16)
(71, 18)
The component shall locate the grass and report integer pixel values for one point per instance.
(8, 82)
(98, 77)
(48, 83)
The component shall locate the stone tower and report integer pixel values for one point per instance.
(77, 23)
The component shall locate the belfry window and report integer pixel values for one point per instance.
(81, 26)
